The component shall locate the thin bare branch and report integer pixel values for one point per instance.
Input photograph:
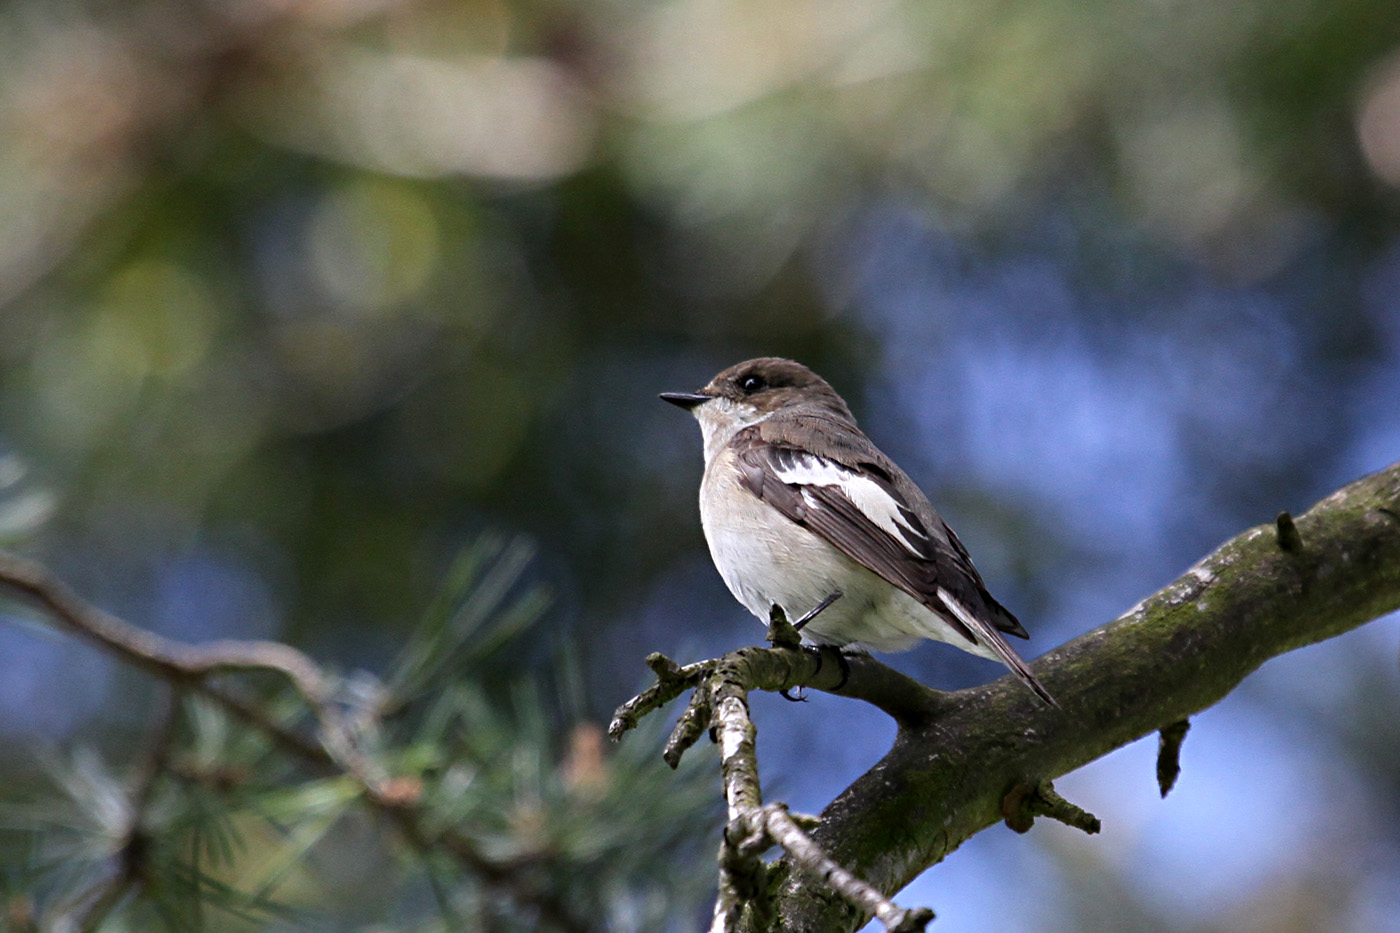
(171, 659)
(721, 698)
(671, 681)
(196, 667)
(1024, 802)
(812, 859)
(777, 669)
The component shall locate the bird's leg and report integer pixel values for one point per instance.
(797, 627)
(816, 610)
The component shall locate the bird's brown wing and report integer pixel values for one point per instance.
(864, 509)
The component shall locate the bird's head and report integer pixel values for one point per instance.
(750, 391)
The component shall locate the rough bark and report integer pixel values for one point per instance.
(1272, 589)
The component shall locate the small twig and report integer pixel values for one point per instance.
(692, 724)
(1288, 537)
(784, 831)
(735, 732)
(729, 907)
(738, 757)
(1169, 754)
(671, 681)
(744, 844)
(742, 875)
(196, 666)
(859, 677)
(310, 752)
(1024, 802)
(193, 664)
(1048, 802)
(752, 826)
(782, 633)
(743, 878)
(166, 657)
(719, 704)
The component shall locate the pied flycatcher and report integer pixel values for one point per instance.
(801, 510)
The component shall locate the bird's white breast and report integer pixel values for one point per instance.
(763, 557)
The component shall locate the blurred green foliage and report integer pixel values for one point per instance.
(297, 296)
(211, 825)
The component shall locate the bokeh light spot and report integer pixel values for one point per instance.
(373, 244)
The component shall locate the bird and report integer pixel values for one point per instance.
(801, 510)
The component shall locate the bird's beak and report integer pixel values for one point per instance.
(686, 400)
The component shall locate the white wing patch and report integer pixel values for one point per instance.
(864, 493)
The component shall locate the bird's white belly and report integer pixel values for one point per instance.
(766, 558)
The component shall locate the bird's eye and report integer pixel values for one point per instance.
(752, 384)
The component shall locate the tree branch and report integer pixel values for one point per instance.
(991, 753)
(196, 666)
(1270, 590)
(159, 655)
(721, 697)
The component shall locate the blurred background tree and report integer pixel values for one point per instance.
(300, 297)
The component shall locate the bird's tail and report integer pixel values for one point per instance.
(988, 635)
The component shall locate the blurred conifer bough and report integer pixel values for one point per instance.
(440, 797)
